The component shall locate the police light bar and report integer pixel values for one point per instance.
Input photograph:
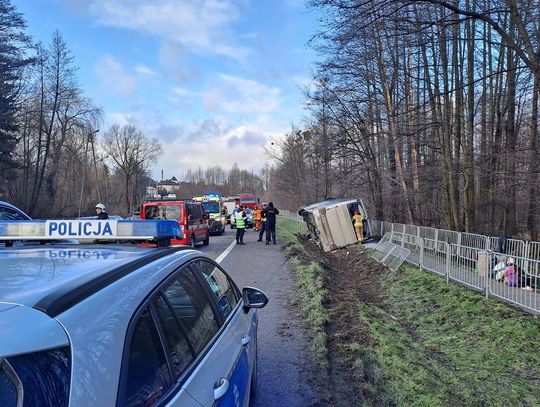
(62, 229)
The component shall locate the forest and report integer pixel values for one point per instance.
(427, 110)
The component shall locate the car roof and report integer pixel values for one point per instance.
(54, 278)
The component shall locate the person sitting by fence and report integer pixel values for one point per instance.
(498, 270)
(511, 275)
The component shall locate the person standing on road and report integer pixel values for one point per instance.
(270, 213)
(258, 212)
(263, 223)
(240, 222)
(101, 212)
(358, 225)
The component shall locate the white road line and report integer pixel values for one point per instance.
(226, 252)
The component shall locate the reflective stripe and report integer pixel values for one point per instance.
(240, 221)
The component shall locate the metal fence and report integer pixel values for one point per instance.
(471, 262)
(300, 224)
(466, 258)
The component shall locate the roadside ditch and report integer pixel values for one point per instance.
(406, 338)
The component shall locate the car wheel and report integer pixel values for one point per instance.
(192, 243)
(207, 240)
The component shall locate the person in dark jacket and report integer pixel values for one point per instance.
(101, 211)
(270, 213)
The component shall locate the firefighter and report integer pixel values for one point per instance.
(258, 217)
(101, 212)
(358, 226)
(263, 223)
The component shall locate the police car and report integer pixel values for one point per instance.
(121, 325)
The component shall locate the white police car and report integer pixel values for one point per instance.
(121, 325)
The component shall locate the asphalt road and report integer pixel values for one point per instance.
(283, 365)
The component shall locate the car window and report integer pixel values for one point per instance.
(163, 212)
(148, 374)
(226, 292)
(43, 376)
(175, 335)
(191, 305)
(10, 214)
(195, 210)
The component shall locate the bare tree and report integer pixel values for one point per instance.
(131, 152)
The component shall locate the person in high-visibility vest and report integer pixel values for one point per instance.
(240, 223)
(358, 226)
(258, 217)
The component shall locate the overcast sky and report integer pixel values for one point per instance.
(214, 80)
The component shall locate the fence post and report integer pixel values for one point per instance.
(447, 263)
(421, 245)
(488, 271)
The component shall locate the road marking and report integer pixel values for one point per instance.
(226, 252)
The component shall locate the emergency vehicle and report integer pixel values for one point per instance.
(217, 212)
(121, 325)
(247, 200)
(190, 214)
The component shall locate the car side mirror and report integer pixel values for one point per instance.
(254, 298)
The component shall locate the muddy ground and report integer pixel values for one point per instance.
(351, 276)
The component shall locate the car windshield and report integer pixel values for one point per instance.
(211, 207)
(163, 212)
(248, 200)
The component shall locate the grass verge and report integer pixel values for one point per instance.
(448, 346)
(411, 339)
(313, 294)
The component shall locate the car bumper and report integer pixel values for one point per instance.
(216, 227)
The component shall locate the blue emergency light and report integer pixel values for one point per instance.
(62, 229)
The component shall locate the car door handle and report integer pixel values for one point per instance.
(220, 388)
(245, 340)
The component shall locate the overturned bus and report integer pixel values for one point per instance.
(330, 222)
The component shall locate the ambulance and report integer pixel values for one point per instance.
(213, 206)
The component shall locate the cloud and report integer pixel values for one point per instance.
(113, 78)
(247, 138)
(202, 26)
(172, 58)
(213, 141)
(232, 94)
(208, 145)
(144, 70)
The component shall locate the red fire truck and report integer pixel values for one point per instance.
(247, 200)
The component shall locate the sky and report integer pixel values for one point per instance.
(216, 81)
